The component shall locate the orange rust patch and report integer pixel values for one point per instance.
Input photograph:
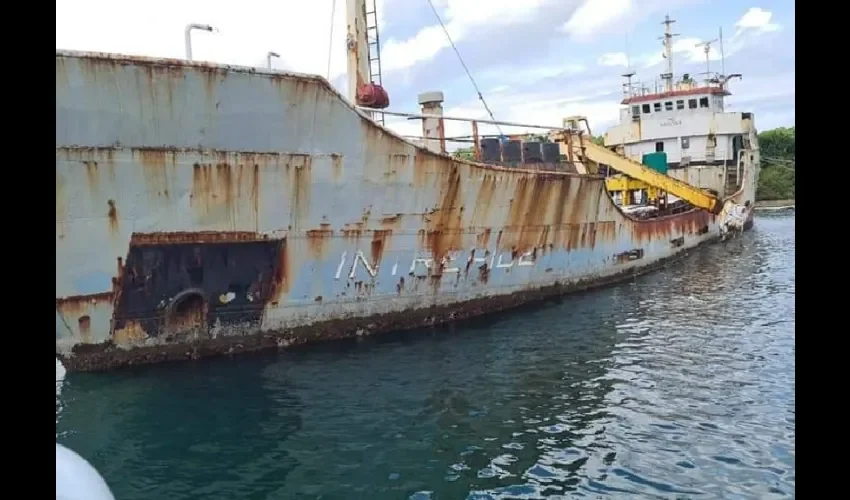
(283, 277)
(198, 237)
(380, 239)
(130, 333)
(352, 231)
(317, 240)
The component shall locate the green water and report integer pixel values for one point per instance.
(677, 385)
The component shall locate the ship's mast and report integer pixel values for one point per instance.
(668, 53)
(358, 46)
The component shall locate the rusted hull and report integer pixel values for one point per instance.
(204, 210)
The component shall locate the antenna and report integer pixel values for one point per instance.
(630, 72)
(706, 48)
(668, 52)
(722, 59)
(627, 87)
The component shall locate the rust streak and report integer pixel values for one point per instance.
(282, 277)
(113, 217)
(336, 166)
(299, 177)
(317, 241)
(445, 229)
(92, 176)
(380, 240)
(154, 170)
(84, 323)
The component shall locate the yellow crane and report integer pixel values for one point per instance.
(580, 147)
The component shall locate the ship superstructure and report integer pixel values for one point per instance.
(684, 121)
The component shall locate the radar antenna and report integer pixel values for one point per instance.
(707, 49)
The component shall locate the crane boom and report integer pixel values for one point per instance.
(697, 197)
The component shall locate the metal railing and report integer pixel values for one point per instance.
(474, 138)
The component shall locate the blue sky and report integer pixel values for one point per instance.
(536, 61)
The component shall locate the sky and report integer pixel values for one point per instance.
(535, 61)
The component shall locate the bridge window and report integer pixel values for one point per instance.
(657, 107)
(692, 104)
(703, 102)
(635, 110)
(668, 106)
(646, 109)
(680, 104)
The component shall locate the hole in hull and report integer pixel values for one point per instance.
(186, 318)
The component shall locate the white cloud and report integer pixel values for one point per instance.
(750, 27)
(689, 47)
(594, 16)
(757, 19)
(613, 59)
(460, 17)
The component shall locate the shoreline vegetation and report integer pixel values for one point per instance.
(777, 177)
(775, 204)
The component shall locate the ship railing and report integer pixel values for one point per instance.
(651, 87)
(439, 142)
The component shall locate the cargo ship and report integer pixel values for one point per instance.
(205, 209)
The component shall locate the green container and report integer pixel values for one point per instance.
(656, 161)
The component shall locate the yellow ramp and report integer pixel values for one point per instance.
(693, 195)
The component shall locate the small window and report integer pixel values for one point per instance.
(657, 107)
(692, 104)
(635, 110)
(680, 104)
(686, 141)
(668, 106)
(646, 109)
(703, 102)
(659, 146)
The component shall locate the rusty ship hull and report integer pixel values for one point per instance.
(204, 209)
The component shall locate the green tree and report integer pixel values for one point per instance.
(465, 154)
(778, 174)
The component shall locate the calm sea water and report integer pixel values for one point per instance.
(677, 385)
